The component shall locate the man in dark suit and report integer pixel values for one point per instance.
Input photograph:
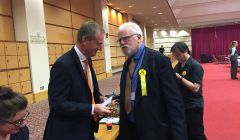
(73, 91)
(161, 50)
(151, 106)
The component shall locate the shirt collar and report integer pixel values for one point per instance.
(80, 54)
(189, 61)
(139, 52)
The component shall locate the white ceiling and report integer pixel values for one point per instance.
(181, 13)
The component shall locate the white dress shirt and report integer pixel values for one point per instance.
(82, 58)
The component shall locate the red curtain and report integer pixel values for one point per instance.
(214, 40)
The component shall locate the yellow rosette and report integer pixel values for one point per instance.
(184, 73)
(142, 73)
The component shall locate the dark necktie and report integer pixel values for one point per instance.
(129, 86)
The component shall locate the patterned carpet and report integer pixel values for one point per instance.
(39, 111)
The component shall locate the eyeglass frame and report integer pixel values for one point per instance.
(19, 121)
(125, 38)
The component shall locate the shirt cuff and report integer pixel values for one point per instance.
(92, 109)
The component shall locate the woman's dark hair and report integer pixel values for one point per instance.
(181, 46)
(10, 103)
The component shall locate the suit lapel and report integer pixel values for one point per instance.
(78, 65)
(145, 62)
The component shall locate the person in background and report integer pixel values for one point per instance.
(234, 59)
(73, 92)
(190, 75)
(151, 106)
(13, 115)
(161, 50)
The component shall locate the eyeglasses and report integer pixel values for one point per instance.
(125, 38)
(18, 122)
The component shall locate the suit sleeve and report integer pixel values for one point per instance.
(172, 97)
(59, 90)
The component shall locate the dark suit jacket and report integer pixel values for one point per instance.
(160, 114)
(70, 100)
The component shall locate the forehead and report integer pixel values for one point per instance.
(18, 115)
(100, 35)
(177, 52)
(123, 32)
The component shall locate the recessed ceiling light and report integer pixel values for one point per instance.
(154, 7)
(155, 24)
(117, 8)
(130, 6)
(160, 13)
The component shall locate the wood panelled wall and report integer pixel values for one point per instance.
(63, 19)
(149, 36)
(6, 21)
(115, 19)
(14, 56)
(14, 67)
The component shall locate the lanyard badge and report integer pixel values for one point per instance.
(142, 73)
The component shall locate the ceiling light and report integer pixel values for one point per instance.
(155, 24)
(183, 33)
(160, 13)
(117, 8)
(130, 6)
(154, 7)
(123, 11)
(163, 33)
(173, 33)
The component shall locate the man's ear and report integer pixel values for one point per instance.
(84, 38)
(139, 36)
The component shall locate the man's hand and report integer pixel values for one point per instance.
(178, 76)
(101, 110)
(101, 99)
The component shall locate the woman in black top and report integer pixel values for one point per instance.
(13, 115)
(190, 75)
